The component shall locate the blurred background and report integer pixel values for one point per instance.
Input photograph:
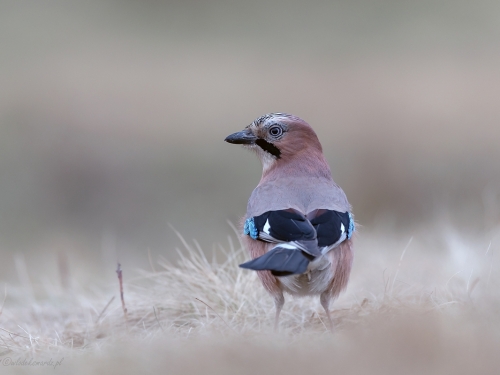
(113, 116)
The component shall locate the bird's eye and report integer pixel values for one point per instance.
(275, 131)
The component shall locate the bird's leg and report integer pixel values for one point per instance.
(325, 299)
(279, 301)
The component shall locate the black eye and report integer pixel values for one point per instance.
(275, 131)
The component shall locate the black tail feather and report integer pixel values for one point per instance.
(280, 261)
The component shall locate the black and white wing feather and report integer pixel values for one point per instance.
(299, 238)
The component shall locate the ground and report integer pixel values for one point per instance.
(414, 305)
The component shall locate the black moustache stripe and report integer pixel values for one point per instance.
(268, 147)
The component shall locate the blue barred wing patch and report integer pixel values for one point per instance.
(352, 226)
(250, 229)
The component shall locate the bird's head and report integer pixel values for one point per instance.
(277, 138)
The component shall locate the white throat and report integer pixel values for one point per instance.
(267, 159)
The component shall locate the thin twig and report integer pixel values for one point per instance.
(105, 308)
(400, 261)
(215, 313)
(488, 249)
(156, 316)
(120, 280)
(15, 334)
(455, 274)
(468, 281)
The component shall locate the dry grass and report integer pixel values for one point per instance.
(425, 305)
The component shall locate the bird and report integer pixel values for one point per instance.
(298, 227)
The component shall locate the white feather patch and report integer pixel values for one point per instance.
(267, 226)
(288, 246)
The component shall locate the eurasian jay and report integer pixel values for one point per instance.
(298, 225)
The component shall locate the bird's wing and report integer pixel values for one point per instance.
(298, 238)
(284, 226)
(332, 227)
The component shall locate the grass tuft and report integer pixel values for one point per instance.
(415, 302)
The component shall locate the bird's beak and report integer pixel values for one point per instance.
(244, 137)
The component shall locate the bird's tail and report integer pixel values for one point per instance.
(281, 261)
